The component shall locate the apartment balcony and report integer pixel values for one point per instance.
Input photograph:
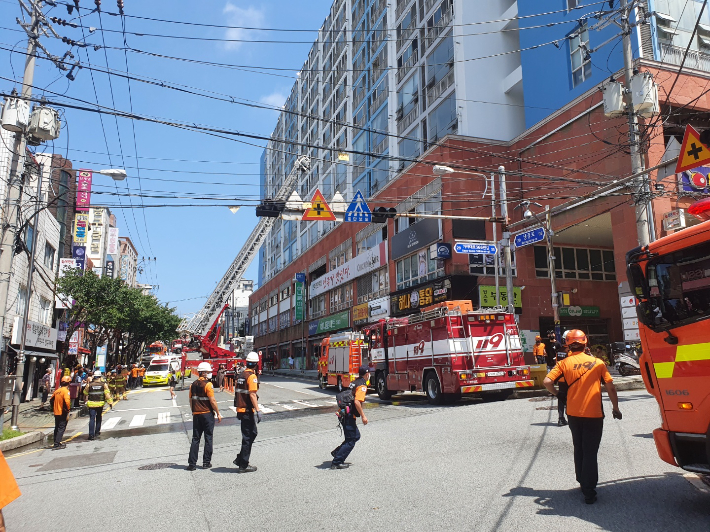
(408, 120)
(437, 29)
(428, 5)
(359, 120)
(674, 55)
(402, 6)
(378, 100)
(381, 146)
(407, 66)
(440, 88)
(376, 11)
(358, 98)
(406, 34)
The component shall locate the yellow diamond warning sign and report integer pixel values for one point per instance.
(319, 209)
(693, 153)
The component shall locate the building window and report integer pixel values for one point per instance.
(581, 61)
(418, 268)
(341, 297)
(485, 264)
(577, 263)
(372, 285)
(443, 120)
(45, 311)
(285, 293)
(29, 236)
(316, 307)
(371, 240)
(49, 254)
(21, 301)
(571, 4)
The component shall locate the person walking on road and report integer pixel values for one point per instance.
(539, 351)
(62, 404)
(204, 408)
(583, 374)
(220, 377)
(350, 430)
(45, 384)
(172, 381)
(98, 395)
(247, 402)
(9, 491)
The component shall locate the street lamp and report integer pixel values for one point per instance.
(549, 233)
(117, 174)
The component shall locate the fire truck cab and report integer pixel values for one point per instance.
(448, 350)
(342, 355)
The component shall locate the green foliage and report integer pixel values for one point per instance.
(9, 433)
(110, 312)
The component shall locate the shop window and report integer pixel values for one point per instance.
(577, 263)
(418, 268)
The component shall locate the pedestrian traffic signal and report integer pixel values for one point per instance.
(270, 209)
(380, 214)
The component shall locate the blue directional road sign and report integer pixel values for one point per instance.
(475, 248)
(358, 211)
(300, 277)
(530, 237)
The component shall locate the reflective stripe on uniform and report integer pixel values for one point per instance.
(199, 398)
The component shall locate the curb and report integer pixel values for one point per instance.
(21, 441)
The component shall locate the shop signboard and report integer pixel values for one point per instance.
(341, 320)
(81, 225)
(112, 241)
(299, 302)
(366, 262)
(361, 312)
(38, 334)
(83, 191)
(79, 253)
(575, 311)
(415, 237)
(408, 300)
(379, 308)
(487, 296)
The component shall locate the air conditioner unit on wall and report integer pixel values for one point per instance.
(613, 99)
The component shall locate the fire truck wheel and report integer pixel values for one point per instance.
(322, 382)
(433, 389)
(340, 385)
(382, 390)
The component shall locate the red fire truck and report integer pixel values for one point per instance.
(448, 350)
(342, 356)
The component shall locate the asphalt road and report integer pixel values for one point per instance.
(471, 466)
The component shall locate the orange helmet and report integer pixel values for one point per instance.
(66, 379)
(575, 336)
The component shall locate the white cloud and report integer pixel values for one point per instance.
(275, 99)
(238, 16)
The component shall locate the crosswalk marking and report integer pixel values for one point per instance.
(163, 417)
(266, 410)
(137, 421)
(287, 407)
(310, 405)
(110, 423)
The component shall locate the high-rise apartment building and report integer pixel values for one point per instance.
(383, 83)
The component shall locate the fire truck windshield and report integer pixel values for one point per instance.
(676, 288)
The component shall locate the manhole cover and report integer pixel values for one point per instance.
(538, 399)
(151, 467)
(554, 407)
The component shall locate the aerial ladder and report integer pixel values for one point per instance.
(202, 325)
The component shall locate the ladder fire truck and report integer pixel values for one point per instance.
(205, 336)
(448, 350)
(342, 356)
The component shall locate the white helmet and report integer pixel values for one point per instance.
(97, 373)
(204, 367)
(252, 358)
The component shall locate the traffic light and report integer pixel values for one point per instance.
(270, 209)
(380, 214)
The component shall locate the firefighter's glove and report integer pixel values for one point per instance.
(616, 414)
(258, 417)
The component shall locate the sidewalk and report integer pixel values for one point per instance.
(310, 374)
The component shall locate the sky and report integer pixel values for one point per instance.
(184, 251)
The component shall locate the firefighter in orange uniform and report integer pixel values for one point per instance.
(539, 351)
(62, 405)
(247, 402)
(350, 430)
(9, 491)
(583, 374)
(204, 408)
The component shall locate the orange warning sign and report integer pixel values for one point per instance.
(693, 153)
(319, 209)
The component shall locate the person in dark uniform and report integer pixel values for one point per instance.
(204, 407)
(584, 374)
(350, 430)
(247, 402)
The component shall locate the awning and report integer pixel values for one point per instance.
(704, 41)
(704, 28)
(38, 354)
(665, 18)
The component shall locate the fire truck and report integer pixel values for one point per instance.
(447, 350)
(341, 358)
(670, 279)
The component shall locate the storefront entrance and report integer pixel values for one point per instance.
(596, 329)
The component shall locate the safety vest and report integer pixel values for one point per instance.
(200, 401)
(241, 392)
(97, 393)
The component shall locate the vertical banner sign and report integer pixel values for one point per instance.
(112, 241)
(299, 302)
(83, 190)
(79, 253)
(109, 268)
(81, 225)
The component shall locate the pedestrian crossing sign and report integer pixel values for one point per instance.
(358, 211)
(319, 209)
(693, 153)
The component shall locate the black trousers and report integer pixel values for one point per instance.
(249, 433)
(586, 437)
(352, 435)
(60, 425)
(95, 416)
(561, 398)
(201, 424)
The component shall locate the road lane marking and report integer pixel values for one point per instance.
(266, 410)
(110, 423)
(137, 420)
(174, 402)
(304, 403)
(287, 407)
(163, 418)
(290, 389)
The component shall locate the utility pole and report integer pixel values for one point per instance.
(551, 271)
(495, 234)
(644, 213)
(11, 214)
(506, 239)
